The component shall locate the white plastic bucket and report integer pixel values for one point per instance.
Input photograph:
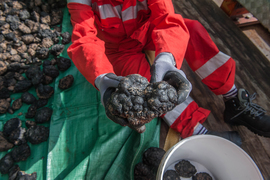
(222, 158)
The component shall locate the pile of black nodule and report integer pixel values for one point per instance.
(184, 169)
(147, 169)
(30, 32)
(139, 101)
(30, 36)
(14, 135)
(19, 153)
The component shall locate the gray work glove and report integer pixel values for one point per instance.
(164, 69)
(107, 84)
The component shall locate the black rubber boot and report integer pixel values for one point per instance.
(232, 136)
(241, 111)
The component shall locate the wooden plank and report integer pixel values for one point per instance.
(252, 73)
(260, 37)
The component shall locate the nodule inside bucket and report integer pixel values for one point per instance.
(217, 156)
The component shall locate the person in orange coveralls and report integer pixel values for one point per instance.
(109, 40)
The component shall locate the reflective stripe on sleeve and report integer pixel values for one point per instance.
(87, 2)
(131, 12)
(172, 115)
(213, 64)
(108, 11)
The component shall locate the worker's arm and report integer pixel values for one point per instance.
(88, 54)
(170, 33)
(170, 36)
(86, 51)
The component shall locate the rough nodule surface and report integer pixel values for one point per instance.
(35, 75)
(3, 67)
(185, 169)
(139, 101)
(6, 163)
(66, 38)
(171, 175)
(143, 172)
(28, 98)
(21, 153)
(66, 82)
(152, 157)
(4, 92)
(47, 80)
(17, 136)
(57, 49)
(31, 112)
(11, 125)
(4, 143)
(147, 169)
(202, 176)
(161, 97)
(12, 173)
(43, 115)
(17, 104)
(4, 104)
(22, 86)
(51, 71)
(44, 91)
(30, 123)
(63, 63)
(37, 134)
(41, 102)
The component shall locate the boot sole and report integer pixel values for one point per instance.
(254, 130)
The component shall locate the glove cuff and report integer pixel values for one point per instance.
(165, 57)
(98, 80)
(105, 81)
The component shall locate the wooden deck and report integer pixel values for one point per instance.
(252, 73)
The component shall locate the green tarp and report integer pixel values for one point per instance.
(83, 142)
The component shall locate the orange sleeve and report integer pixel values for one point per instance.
(87, 51)
(170, 33)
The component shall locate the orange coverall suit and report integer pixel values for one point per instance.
(109, 36)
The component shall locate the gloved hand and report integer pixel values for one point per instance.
(164, 69)
(107, 84)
